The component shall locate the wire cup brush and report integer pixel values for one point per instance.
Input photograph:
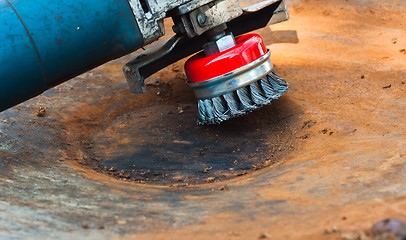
(233, 79)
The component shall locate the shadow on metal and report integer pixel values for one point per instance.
(159, 142)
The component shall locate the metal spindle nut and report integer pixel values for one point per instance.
(201, 19)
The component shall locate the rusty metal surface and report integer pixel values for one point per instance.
(336, 144)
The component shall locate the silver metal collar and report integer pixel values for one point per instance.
(233, 80)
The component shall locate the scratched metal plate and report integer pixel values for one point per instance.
(344, 116)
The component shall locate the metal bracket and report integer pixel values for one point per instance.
(133, 70)
(218, 14)
(158, 57)
(150, 14)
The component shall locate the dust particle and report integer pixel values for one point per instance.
(306, 136)
(41, 112)
(207, 169)
(308, 124)
(210, 179)
(355, 236)
(121, 222)
(331, 230)
(263, 236)
(178, 178)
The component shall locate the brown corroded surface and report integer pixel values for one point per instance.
(332, 151)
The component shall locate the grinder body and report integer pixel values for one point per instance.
(44, 43)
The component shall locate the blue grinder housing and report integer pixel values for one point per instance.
(44, 43)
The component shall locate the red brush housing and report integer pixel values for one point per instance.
(248, 48)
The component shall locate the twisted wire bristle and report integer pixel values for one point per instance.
(241, 101)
